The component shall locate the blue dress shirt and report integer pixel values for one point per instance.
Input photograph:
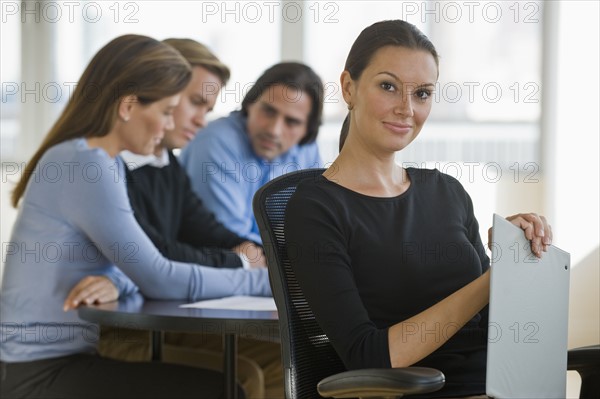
(225, 172)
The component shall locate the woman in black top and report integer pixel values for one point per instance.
(390, 259)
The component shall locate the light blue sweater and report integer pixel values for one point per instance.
(75, 220)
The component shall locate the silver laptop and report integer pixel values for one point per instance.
(529, 303)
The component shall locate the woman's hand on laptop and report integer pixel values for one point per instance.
(536, 229)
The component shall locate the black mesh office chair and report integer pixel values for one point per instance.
(311, 365)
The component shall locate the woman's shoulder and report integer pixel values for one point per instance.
(328, 193)
(75, 149)
(314, 188)
(431, 177)
(75, 162)
(318, 197)
(60, 151)
(433, 183)
(316, 184)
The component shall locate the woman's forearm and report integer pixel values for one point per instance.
(413, 339)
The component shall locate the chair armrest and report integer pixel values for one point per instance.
(584, 358)
(381, 382)
(586, 361)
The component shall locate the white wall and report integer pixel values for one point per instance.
(573, 189)
(575, 183)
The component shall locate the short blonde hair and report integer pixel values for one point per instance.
(197, 54)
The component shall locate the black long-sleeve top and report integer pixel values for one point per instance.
(175, 219)
(367, 263)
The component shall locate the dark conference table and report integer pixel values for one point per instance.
(158, 316)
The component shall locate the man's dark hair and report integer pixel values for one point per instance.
(297, 76)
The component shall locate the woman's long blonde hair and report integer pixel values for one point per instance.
(128, 65)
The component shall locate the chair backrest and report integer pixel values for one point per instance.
(307, 354)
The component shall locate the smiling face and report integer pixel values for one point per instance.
(146, 124)
(197, 100)
(392, 98)
(277, 120)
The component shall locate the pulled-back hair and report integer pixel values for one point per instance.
(381, 34)
(128, 65)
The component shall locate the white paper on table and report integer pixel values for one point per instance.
(239, 302)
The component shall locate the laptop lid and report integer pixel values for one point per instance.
(528, 318)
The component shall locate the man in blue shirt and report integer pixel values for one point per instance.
(274, 133)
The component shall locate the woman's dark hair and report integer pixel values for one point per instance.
(344, 131)
(381, 34)
(372, 38)
(128, 65)
(294, 75)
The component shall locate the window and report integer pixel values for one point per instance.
(244, 35)
(489, 89)
(10, 65)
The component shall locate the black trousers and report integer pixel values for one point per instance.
(91, 376)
